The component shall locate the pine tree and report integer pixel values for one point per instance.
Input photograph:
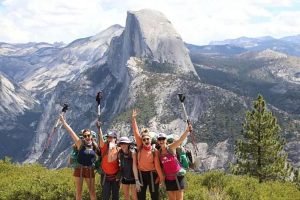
(260, 152)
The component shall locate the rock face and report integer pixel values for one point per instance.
(70, 61)
(17, 121)
(15, 100)
(150, 35)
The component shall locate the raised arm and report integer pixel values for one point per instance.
(135, 129)
(178, 142)
(100, 135)
(74, 136)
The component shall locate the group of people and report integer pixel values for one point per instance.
(134, 167)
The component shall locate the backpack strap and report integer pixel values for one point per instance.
(120, 157)
(96, 148)
(168, 151)
(153, 150)
(139, 153)
(106, 150)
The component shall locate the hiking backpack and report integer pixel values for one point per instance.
(185, 157)
(73, 158)
(173, 162)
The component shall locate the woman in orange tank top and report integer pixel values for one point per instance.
(149, 168)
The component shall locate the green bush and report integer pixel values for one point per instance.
(34, 182)
(242, 188)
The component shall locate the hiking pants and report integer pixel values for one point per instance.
(146, 179)
(110, 188)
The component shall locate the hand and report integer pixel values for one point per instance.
(62, 119)
(134, 113)
(190, 127)
(98, 124)
(159, 180)
(111, 145)
(138, 185)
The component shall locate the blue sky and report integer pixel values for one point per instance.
(197, 21)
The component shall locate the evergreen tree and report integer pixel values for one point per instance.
(260, 152)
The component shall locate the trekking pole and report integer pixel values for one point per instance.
(181, 99)
(98, 99)
(63, 111)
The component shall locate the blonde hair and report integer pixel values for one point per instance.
(145, 132)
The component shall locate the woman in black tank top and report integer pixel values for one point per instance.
(86, 156)
(128, 169)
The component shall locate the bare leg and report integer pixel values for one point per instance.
(78, 184)
(179, 194)
(133, 192)
(91, 186)
(171, 195)
(125, 188)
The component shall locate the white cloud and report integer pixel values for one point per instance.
(197, 21)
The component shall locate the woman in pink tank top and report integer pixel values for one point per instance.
(174, 179)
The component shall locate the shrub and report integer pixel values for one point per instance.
(34, 182)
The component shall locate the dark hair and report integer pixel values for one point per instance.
(85, 130)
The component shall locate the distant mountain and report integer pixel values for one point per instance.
(24, 49)
(273, 74)
(70, 61)
(215, 49)
(245, 42)
(292, 39)
(288, 45)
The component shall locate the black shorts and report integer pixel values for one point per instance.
(171, 185)
(127, 181)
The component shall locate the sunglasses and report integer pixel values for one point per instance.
(146, 139)
(86, 136)
(159, 139)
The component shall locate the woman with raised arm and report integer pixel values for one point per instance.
(174, 173)
(87, 150)
(110, 165)
(150, 172)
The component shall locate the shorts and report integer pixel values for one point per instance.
(87, 172)
(171, 185)
(127, 181)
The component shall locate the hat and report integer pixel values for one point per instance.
(125, 140)
(112, 134)
(161, 135)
